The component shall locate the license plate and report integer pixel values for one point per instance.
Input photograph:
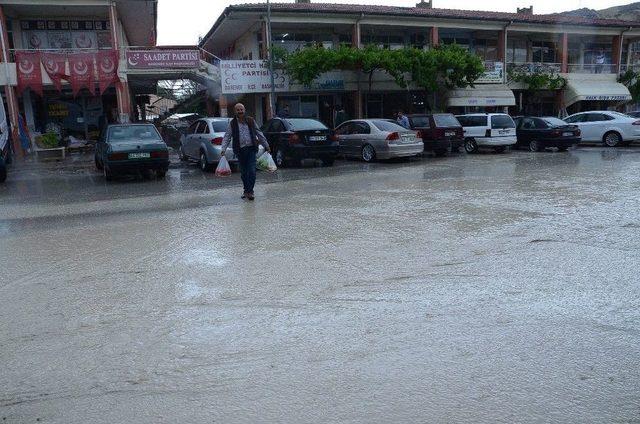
(407, 138)
(317, 138)
(139, 155)
(449, 133)
(503, 132)
(567, 134)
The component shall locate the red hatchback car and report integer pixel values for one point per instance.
(440, 132)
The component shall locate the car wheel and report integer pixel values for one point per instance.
(204, 165)
(328, 162)
(612, 139)
(368, 153)
(3, 170)
(183, 157)
(470, 145)
(440, 152)
(280, 160)
(107, 174)
(98, 164)
(534, 146)
(500, 149)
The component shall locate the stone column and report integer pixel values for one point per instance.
(564, 53)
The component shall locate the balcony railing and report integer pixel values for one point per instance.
(606, 68)
(534, 67)
(634, 68)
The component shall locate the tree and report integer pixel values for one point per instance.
(443, 66)
(631, 80)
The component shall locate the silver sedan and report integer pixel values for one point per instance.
(371, 139)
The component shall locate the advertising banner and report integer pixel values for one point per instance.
(81, 71)
(28, 71)
(250, 76)
(494, 73)
(54, 65)
(107, 64)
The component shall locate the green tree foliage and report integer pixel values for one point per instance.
(538, 79)
(451, 66)
(631, 79)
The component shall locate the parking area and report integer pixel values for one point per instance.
(472, 288)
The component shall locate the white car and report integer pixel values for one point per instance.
(493, 130)
(608, 127)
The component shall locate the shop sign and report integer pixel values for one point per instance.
(57, 110)
(156, 59)
(622, 97)
(494, 73)
(28, 71)
(328, 81)
(250, 76)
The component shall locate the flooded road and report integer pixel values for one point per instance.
(471, 289)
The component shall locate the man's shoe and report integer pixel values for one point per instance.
(250, 196)
(244, 195)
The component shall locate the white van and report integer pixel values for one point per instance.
(493, 130)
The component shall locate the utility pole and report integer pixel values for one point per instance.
(272, 97)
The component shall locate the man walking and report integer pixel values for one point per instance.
(244, 135)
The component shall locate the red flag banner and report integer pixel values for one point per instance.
(54, 65)
(107, 63)
(29, 72)
(81, 71)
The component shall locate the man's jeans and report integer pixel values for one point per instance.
(247, 162)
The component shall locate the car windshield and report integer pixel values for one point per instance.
(122, 133)
(446, 120)
(618, 114)
(219, 126)
(387, 126)
(554, 122)
(306, 124)
(502, 121)
(420, 121)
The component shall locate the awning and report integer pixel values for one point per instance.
(603, 87)
(482, 95)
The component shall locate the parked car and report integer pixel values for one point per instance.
(294, 139)
(635, 114)
(440, 132)
(537, 134)
(610, 128)
(5, 157)
(371, 139)
(129, 148)
(203, 143)
(492, 130)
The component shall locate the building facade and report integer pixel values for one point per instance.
(589, 54)
(69, 31)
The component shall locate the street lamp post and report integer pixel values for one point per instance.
(272, 97)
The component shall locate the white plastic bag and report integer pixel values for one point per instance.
(266, 163)
(223, 169)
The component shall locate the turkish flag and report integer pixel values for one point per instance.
(54, 65)
(29, 72)
(107, 64)
(81, 72)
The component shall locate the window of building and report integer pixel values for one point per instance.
(385, 41)
(516, 50)
(293, 41)
(543, 52)
(59, 34)
(487, 49)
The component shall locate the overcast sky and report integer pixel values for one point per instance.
(183, 21)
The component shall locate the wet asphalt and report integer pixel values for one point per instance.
(490, 288)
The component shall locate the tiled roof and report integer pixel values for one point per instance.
(431, 13)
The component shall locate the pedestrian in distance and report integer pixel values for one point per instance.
(402, 120)
(341, 116)
(244, 135)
